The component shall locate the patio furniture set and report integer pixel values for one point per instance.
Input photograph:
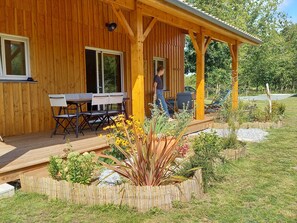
(78, 111)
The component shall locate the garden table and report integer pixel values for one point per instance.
(80, 99)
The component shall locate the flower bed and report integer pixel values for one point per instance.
(143, 198)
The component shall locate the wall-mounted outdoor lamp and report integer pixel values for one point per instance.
(111, 26)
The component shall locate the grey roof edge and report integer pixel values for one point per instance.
(214, 20)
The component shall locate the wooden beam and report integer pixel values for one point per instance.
(194, 41)
(231, 51)
(167, 18)
(149, 28)
(137, 69)
(207, 42)
(235, 54)
(119, 14)
(126, 4)
(218, 37)
(200, 77)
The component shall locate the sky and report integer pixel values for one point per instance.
(290, 7)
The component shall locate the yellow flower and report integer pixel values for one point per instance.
(119, 125)
(106, 128)
(121, 116)
(118, 142)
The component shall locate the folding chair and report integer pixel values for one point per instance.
(116, 100)
(218, 102)
(94, 115)
(220, 99)
(63, 118)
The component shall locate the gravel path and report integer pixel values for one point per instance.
(263, 97)
(246, 135)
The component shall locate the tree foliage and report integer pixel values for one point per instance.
(272, 62)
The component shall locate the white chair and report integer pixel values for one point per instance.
(94, 115)
(116, 105)
(63, 118)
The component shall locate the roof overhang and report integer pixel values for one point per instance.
(207, 17)
(179, 14)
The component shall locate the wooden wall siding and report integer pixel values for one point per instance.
(167, 42)
(58, 33)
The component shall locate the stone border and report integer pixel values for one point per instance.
(143, 198)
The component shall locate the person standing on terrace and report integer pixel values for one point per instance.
(158, 90)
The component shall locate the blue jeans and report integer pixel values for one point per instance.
(161, 101)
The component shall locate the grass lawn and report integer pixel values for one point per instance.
(260, 188)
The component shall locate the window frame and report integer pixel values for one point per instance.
(155, 62)
(107, 51)
(3, 72)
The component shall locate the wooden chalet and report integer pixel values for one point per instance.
(76, 46)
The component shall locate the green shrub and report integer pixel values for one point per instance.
(54, 167)
(250, 112)
(162, 126)
(76, 168)
(228, 115)
(255, 114)
(278, 111)
(231, 142)
(207, 148)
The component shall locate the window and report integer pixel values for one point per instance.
(104, 70)
(14, 58)
(161, 62)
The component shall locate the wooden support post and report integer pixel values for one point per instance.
(234, 49)
(199, 45)
(137, 70)
(200, 77)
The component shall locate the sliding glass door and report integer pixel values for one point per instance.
(104, 70)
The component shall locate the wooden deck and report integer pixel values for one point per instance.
(26, 153)
(19, 154)
(196, 125)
